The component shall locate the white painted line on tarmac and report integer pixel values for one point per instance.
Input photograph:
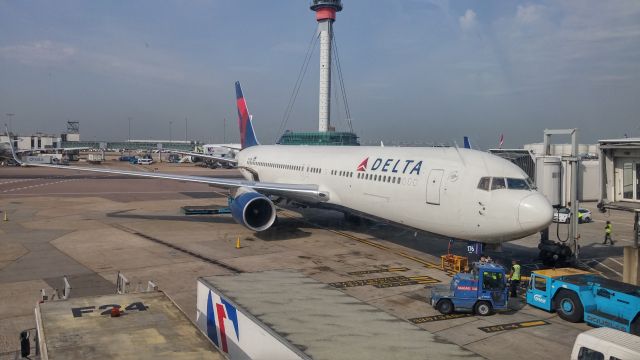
(35, 186)
(601, 263)
(616, 261)
(594, 270)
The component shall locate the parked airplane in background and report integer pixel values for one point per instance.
(456, 193)
(467, 143)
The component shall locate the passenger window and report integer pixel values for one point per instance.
(588, 354)
(497, 183)
(484, 183)
(540, 283)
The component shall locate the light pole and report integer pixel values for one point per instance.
(10, 115)
(129, 128)
(185, 129)
(170, 123)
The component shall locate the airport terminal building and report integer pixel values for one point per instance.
(620, 172)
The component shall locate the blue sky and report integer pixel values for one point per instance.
(425, 71)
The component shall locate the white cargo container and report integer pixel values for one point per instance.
(95, 158)
(287, 315)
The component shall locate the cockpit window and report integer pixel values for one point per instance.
(484, 183)
(532, 186)
(517, 184)
(498, 183)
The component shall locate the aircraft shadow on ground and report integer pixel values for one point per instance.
(431, 244)
(283, 229)
(600, 251)
(216, 219)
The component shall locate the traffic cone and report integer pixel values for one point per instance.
(238, 243)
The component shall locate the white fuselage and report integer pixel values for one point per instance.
(430, 189)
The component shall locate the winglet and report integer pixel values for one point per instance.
(247, 134)
(13, 152)
(467, 143)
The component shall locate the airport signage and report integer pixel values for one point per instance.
(513, 326)
(106, 309)
(375, 271)
(386, 282)
(427, 319)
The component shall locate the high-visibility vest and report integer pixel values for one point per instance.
(607, 228)
(516, 272)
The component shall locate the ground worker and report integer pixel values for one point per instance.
(607, 233)
(579, 217)
(514, 275)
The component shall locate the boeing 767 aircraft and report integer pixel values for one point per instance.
(456, 193)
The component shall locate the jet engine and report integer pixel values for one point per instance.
(253, 210)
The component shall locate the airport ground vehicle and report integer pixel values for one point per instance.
(145, 161)
(578, 295)
(563, 215)
(605, 343)
(45, 158)
(127, 158)
(481, 291)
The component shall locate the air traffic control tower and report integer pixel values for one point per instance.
(325, 15)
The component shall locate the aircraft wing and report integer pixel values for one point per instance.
(301, 192)
(206, 156)
(71, 148)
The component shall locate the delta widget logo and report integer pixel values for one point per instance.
(363, 165)
(216, 315)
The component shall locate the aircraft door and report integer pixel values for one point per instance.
(433, 186)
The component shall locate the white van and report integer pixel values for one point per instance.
(145, 161)
(606, 344)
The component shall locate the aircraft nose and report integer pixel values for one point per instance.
(535, 212)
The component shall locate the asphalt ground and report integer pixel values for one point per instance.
(90, 226)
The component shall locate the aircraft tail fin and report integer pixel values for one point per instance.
(247, 134)
(467, 143)
(13, 151)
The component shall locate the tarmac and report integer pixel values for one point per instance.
(89, 227)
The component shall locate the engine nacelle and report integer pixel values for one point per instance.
(253, 210)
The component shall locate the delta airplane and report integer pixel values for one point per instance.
(455, 193)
